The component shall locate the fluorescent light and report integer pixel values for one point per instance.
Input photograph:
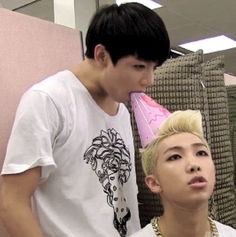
(148, 3)
(211, 45)
(177, 52)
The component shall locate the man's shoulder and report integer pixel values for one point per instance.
(146, 231)
(60, 77)
(225, 230)
(57, 85)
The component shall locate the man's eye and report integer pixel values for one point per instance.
(173, 157)
(139, 66)
(202, 153)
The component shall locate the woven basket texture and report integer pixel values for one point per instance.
(231, 95)
(213, 72)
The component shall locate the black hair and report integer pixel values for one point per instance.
(128, 29)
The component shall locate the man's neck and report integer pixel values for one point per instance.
(89, 75)
(185, 223)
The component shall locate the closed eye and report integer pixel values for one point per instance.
(173, 157)
(139, 66)
(202, 153)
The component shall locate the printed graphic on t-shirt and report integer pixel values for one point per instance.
(110, 160)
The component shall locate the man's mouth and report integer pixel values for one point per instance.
(197, 181)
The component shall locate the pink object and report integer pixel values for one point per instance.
(148, 116)
(31, 50)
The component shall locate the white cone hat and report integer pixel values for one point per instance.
(148, 115)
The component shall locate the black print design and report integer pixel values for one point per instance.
(110, 160)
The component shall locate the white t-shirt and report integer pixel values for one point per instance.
(223, 230)
(88, 184)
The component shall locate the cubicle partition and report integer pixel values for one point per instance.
(30, 50)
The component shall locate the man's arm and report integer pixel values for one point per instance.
(16, 211)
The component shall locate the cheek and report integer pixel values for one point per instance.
(212, 168)
(211, 173)
(120, 80)
(167, 176)
(214, 174)
(110, 80)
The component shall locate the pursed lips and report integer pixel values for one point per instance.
(197, 179)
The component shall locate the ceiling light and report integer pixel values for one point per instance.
(177, 52)
(211, 45)
(148, 3)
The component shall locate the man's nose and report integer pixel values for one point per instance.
(193, 168)
(192, 164)
(148, 80)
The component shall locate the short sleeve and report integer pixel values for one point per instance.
(35, 128)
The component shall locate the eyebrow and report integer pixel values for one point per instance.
(198, 144)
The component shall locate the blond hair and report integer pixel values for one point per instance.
(187, 121)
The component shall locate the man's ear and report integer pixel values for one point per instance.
(100, 54)
(153, 184)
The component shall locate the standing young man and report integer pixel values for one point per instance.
(69, 169)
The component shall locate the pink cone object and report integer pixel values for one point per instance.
(148, 116)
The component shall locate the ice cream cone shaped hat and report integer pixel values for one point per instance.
(148, 115)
